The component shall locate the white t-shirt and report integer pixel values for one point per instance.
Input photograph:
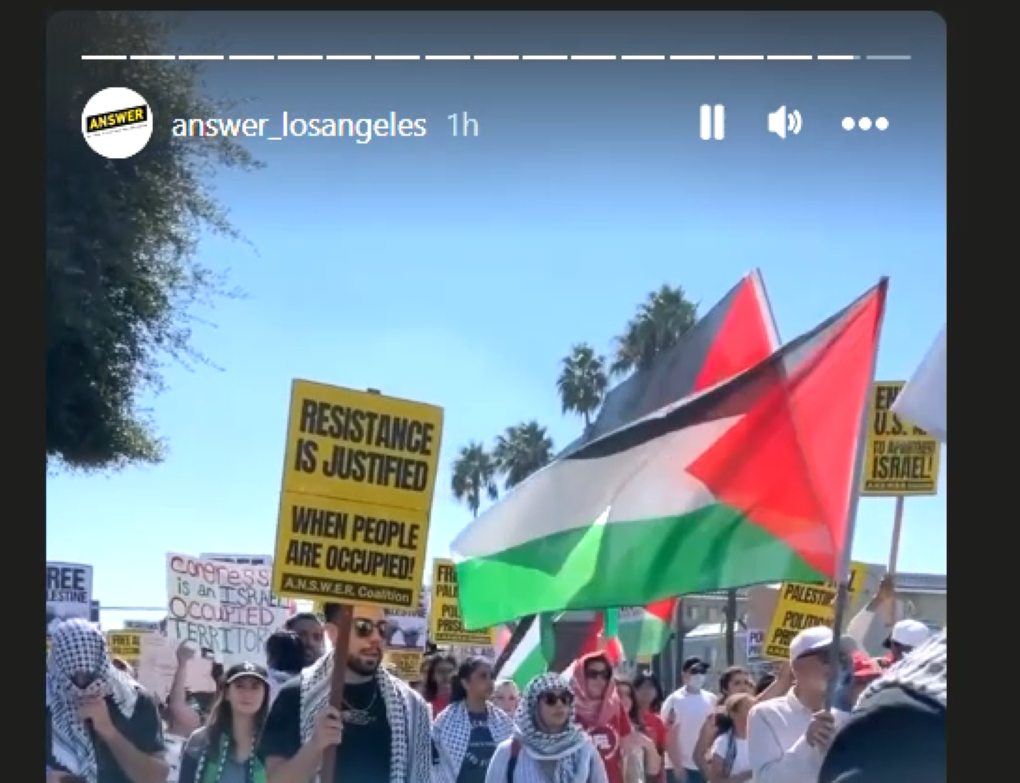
(741, 762)
(690, 710)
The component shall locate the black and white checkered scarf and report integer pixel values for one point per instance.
(568, 748)
(924, 670)
(77, 647)
(406, 712)
(451, 734)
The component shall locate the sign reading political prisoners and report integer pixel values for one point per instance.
(358, 478)
(900, 459)
(445, 623)
(224, 608)
(802, 605)
(68, 592)
(126, 645)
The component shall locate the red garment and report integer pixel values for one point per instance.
(656, 729)
(605, 721)
(438, 704)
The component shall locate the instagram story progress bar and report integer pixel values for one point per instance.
(713, 122)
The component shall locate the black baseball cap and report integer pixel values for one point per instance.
(694, 665)
(246, 669)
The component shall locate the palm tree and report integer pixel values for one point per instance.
(661, 321)
(522, 450)
(474, 476)
(583, 382)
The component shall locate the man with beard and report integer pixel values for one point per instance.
(309, 630)
(383, 732)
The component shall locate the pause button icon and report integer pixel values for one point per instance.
(713, 122)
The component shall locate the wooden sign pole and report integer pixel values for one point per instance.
(336, 684)
(894, 548)
(337, 680)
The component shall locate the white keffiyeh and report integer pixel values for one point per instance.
(568, 748)
(924, 670)
(406, 712)
(79, 648)
(451, 735)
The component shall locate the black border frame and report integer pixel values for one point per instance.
(985, 319)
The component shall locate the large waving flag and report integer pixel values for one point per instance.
(923, 399)
(747, 482)
(737, 333)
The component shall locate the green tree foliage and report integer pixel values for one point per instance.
(661, 321)
(474, 477)
(521, 450)
(122, 277)
(583, 382)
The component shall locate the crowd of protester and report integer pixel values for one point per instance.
(458, 724)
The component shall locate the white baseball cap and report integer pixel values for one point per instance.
(909, 633)
(809, 640)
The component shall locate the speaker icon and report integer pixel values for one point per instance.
(780, 122)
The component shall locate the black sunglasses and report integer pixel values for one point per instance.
(824, 656)
(363, 628)
(597, 674)
(552, 698)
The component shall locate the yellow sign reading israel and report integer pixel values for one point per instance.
(358, 480)
(802, 605)
(126, 645)
(361, 446)
(445, 623)
(901, 459)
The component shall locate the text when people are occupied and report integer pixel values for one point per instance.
(368, 543)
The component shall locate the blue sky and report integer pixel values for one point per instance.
(460, 271)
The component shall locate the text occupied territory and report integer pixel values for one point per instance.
(371, 546)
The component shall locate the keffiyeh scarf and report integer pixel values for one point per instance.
(78, 647)
(254, 772)
(406, 713)
(925, 671)
(567, 748)
(451, 734)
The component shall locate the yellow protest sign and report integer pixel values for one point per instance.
(361, 446)
(802, 605)
(405, 664)
(900, 459)
(445, 623)
(126, 645)
(358, 479)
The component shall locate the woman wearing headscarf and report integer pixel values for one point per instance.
(223, 751)
(548, 744)
(101, 725)
(601, 713)
(466, 733)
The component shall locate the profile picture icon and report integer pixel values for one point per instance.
(117, 123)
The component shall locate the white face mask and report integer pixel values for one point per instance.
(696, 681)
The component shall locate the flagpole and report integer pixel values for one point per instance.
(843, 574)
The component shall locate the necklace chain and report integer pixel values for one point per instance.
(367, 707)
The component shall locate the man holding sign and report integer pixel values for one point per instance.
(383, 732)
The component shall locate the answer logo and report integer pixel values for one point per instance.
(117, 123)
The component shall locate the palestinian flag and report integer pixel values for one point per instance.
(734, 335)
(642, 631)
(747, 482)
(525, 654)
